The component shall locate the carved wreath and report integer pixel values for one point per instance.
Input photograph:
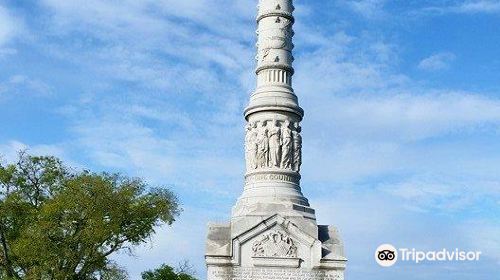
(275, 244)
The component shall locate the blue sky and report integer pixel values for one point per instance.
(401, 134)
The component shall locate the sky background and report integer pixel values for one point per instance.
(401, 132)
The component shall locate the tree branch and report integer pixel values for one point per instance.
(8, 264)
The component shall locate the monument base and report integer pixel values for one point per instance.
(274, 249)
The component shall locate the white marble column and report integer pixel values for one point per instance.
(273, 142)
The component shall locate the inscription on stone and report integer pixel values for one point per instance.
(239, 273)
(271, 177)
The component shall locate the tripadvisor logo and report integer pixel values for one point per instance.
(387, 255)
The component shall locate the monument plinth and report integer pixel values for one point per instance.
(273, 232)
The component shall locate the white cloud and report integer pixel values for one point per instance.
(484, 236)
(348, 140)
(9, 151)
(185, 61)
(24, 86)
(426, 195)
(361, 97)
(470, 7)
(367, 8)
(115, 135)
(151, 17)
(138, 36)
(436, 62)
(7, 52)
(479, 6)
(405, 117)
(7, 27)
(369, 218)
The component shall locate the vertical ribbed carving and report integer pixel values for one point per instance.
(274, 77)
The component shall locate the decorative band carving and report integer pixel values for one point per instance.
(275, 66)
(266, 108)
(274, 14)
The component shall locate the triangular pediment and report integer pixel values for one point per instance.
(277, 222)
(275, 239)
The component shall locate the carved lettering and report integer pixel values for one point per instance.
(271, 177)
(239, 273)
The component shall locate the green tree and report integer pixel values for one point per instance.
(165, 272)
(113, 272)
(58, 223)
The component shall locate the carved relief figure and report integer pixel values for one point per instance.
(254, 147)
(251, 146)
(275, 244)
(248, 131)
(274, 144)
(262, 146)
(286, 146)
(297, 148)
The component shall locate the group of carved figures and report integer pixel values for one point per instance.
(273, 144)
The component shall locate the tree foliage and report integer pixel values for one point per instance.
(165, 272)
(57, 223)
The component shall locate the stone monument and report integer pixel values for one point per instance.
(273, 232)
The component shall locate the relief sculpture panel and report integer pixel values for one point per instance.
(275, 244)
(273, 144)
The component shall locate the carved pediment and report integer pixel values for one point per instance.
(274, 243)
